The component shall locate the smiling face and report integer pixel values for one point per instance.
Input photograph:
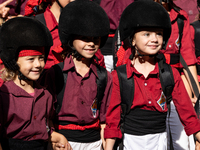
(31, 66)
(148, 41)
(86, 46)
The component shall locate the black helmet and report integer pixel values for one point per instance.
(141, 14)
(22, 32)
(85, 18)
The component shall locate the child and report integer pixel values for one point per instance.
(144, 126)
(25, 107)
(83, 29)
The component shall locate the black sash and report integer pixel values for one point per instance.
(142, 122)
(17, 144)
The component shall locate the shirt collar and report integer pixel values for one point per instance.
(17, 91)
(174, 14)
(131, 69)
(69, 64)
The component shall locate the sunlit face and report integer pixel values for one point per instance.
(86, 46)
(148, 41)
(31, 66)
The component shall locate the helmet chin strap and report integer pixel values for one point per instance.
(22, 77)
(166, 1)
(59, 4)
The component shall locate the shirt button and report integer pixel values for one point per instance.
(170, 46)
(34, 117)
(145, 84)
(82, 102)
(82, 122)
(149, 102)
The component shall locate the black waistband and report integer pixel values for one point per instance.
(17, 144)
(86, 136)
(142, 122)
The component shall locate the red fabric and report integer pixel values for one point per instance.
(95, 125)
(1, 62)
(80, 93)
(148, 94)
(30, 53)
(54, 56)
(31, 4)
(120, 56)
(100, 57)
(111, 35)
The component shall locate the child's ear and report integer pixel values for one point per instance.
(133, 42)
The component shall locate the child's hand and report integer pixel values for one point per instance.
(197, 146)
(59, 146)
(59, 142)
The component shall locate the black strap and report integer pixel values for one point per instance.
(61, 79)
(194, 85)
(196, 26)
(101, 84)
(40, 17)
(167, 83)
(127, 93)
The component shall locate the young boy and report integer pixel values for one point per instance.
(145, 124)
(83, 29)
(26, 108)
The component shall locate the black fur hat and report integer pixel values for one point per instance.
(22, 32)
(85, 18)
(144, 13)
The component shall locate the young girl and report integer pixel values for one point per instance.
(25, 107)
(144, 125)
(83, 29)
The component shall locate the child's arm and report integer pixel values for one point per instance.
(197, 146)
(59, 142)
(102, 135)
(110, 144)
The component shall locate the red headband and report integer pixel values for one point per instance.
(30, 53)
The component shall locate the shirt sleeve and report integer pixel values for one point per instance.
(184, 106)
(112, 129)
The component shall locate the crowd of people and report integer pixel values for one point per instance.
(99, 74)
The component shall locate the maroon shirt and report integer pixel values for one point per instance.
(22, 115)
(114, 9)
(190, 6)
(80, 93)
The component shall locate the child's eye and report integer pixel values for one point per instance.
(146, 34)
(31, 59)
(160, 33)
(41, 57)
